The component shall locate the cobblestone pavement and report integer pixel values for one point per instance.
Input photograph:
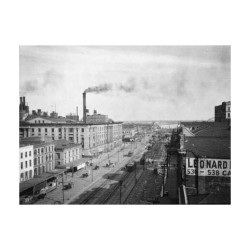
(81, 184)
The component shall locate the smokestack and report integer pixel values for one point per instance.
(84, 106)
(77, 114)
(24, 101)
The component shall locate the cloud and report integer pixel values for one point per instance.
(49, 79)
(129, 86)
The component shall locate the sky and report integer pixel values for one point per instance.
(127, 83)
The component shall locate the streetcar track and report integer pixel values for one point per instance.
(103, 184)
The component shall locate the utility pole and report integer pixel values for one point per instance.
(92, 173)
(196, 163)
(135, 173)
(63, 187)
(120, 182)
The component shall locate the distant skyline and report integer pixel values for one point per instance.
(135, 82)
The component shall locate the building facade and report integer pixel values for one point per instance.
(43, 154)
(97, 118)
(223, 112)
(67, 153)
(94, 138)
(26, 167)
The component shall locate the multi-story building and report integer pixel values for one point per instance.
(26, 167)
(97, 118)
(68, 154)
(94, 138)
(43, 153)
(74, 117)
(223, 112)
(205, 161)
(129, 131)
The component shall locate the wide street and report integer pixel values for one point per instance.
(118, 156)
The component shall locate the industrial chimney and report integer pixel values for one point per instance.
(84, 107)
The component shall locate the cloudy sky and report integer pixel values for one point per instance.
(127, 82)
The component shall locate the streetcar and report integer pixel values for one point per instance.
(131, 166)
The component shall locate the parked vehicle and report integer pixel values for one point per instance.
(96, 167)
(85, 175)
(67, 186)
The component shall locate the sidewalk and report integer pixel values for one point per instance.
(171, 184)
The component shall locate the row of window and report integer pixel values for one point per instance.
(41, 159)
(70, 130)
(47, 149)
(26, 154)
(26, 175)
(26, 164)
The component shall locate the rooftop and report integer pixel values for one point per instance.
(39, 179)
(63, 144)
(74, 123)
(208, 147)
(36, 141)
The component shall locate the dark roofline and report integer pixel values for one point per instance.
(26, 124)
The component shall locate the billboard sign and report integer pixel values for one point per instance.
(208, 167)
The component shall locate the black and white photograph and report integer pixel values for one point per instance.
(142, 125)
(118, 128)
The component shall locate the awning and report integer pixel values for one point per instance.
(39, 179)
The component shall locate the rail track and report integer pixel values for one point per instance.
(103, 193)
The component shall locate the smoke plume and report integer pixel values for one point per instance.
(105, 87)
